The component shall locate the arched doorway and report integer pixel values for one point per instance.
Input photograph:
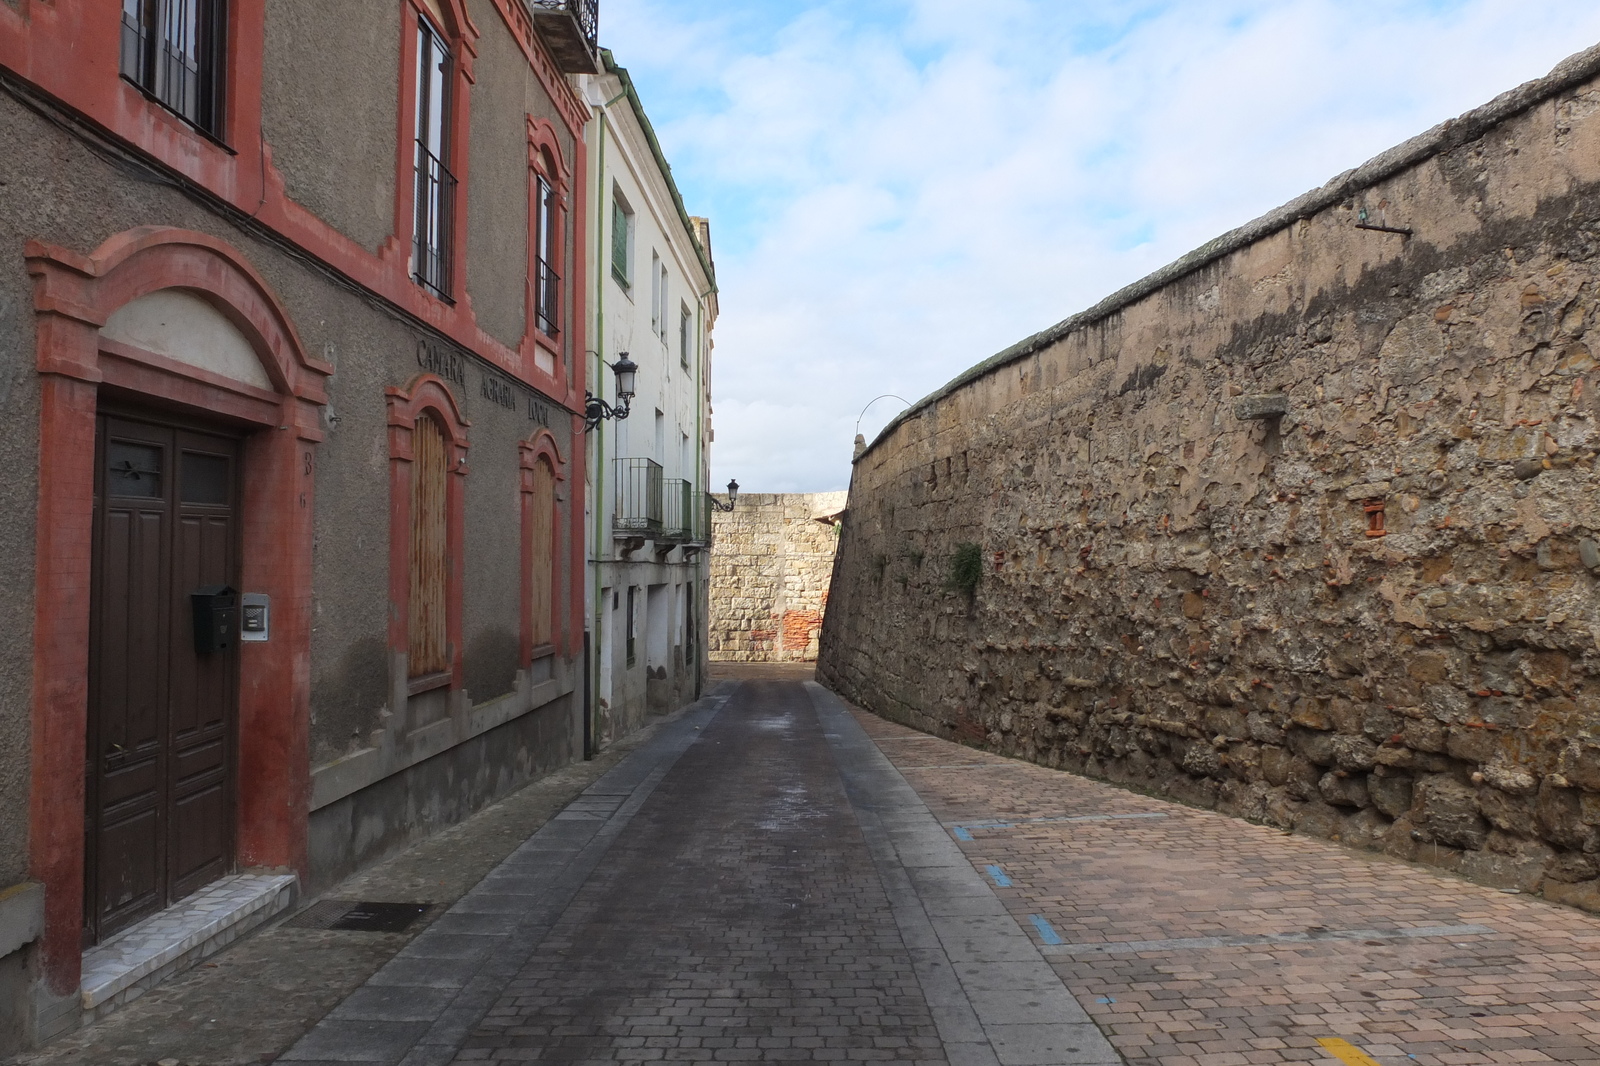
(178, 420)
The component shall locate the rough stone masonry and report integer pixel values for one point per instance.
(1304, 527)
(771, 562)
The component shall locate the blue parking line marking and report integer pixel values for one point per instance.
(1047, 932)
(961, 833)
(999, 876)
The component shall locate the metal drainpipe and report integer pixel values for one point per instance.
(592, 671)
(703, 475)
(600, 260)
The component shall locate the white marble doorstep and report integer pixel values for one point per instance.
(167, 935)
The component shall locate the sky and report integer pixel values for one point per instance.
(898, 189)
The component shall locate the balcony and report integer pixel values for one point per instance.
(571, 30)
(638, 504)
(680, 522)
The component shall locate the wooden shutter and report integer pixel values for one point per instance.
(619, 241)
(542, 532)
(430, 559)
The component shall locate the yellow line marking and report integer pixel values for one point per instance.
(1348, 1053)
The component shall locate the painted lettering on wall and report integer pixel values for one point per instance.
(538, 412)
(447, 364)
(499, 390)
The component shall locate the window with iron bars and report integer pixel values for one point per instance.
(172, 49)
(546, 282)
(436, 186)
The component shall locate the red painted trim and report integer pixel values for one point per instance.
(73, 297)
(573, 111)
(542, 447)
(545, 160)
(69, 49)
(426, 392)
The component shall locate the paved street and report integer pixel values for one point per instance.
(1195, 939)
(771, 876)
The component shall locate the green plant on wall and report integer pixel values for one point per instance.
(966, 568)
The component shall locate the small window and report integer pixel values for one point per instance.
(621, 241)
(685, 332)
(546, 283)
(172, 49)
(633, 623)
(542, 532)
(436, 186)
(658, 295)
(661, 326)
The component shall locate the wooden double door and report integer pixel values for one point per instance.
(160, 755)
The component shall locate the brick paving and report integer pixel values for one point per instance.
(1258, 945)
(738, 916)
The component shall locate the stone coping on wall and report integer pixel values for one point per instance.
(1449, 134)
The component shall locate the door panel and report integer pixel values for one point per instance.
(160, 737)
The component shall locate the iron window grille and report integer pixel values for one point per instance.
(639, 500)
(172, 49)
(434, 231)
(546, 282)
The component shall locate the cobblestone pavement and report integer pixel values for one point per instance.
(250, 1002)
(752, 880)
(1196, 939)
(756, 883)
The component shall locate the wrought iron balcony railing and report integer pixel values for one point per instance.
(677, 524)
(435, 222)
(571, 30)
(638, 507)
(546, 286)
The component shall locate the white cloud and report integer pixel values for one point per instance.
(897, 195)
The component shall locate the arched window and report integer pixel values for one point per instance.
(542, 549)
(428, 634)
(427, 503)
(547, 206)
(541, 538)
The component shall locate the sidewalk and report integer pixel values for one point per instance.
(1196, 939)
(252, 1001)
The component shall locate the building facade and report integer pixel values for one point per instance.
(653, 300)
(292, 363)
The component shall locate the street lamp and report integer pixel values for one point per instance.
(733, 496)
(596, 410)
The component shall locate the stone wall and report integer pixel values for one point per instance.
(771, 562)
(1304, 528)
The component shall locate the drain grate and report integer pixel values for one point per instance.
(359, 915)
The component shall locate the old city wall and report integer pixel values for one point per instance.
(1375, 618)
(771, 562)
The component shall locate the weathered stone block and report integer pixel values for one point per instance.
(1313, 746)
(1514, 814)
(1354, 752)
(1344, 790)
(1571, 867)
(1446, 812)
(1584, 894)
(1390, 792)
(1520, 868)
